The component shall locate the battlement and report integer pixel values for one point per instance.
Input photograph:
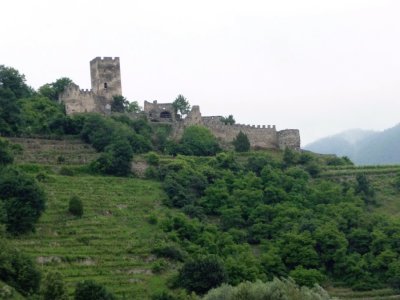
(105, 59)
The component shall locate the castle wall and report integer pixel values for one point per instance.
(289, 138)
(156, 110)
(263, 137)
(78, 101)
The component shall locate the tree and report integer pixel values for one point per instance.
(198, 140)
(119, 104)
(133, 107)
(53, 287)
(116, 160)
(365, 189)
(202, 274)
(54, 89)
(24, 200)
(18, 270)
(6, 155)
(181, 105)
(9, 112)
(90, 290)
(307, 277)
(229, 120)
(241, 142)
(12, 80)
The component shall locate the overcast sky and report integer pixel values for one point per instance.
(316, 65)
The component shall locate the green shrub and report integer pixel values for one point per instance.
(18, 270)
(202, 274)
(53, 287)
(159, 266)
(170, 251)
(75, 206)
(90, 290)
(153, 158)
(23, 200)
(276, 289)
(307, 277)
(116, 160)
(241, 142)
(199, 141)
(6, 155)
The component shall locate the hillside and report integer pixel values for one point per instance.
(362, 147)
(114, 240)
(111, 243)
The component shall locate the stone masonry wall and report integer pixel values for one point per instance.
(77, 100)
(265, 137)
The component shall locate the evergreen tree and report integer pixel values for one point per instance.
(241, 142)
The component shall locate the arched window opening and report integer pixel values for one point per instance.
(105, 85)
(165, 115)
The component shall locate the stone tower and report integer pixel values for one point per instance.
(106, 77)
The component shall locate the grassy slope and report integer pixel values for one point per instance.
(111, 243)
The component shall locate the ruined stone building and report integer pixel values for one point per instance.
(262, 137)
(106, 82)
(105, 76)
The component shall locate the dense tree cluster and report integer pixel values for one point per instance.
(307, 228)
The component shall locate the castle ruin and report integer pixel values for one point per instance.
(105, 76)
(106, 83)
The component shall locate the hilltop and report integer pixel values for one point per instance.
(119, 207)
(361, 146)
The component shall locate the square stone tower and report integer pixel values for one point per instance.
(106, 77)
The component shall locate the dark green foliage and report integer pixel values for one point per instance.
(119, 104)
(9, 113)
(181, 105)
(100, 132)
(364, 189)
(133, 107)
(75, 206)
(199, 141)
(311, 228)
(152, 158)
(241, 142)
(90, 290)
(13, 81)
(54, 89)
(6, 155)
(18, 270)
(229, 120)
(116, 160)
(53, 287)
(202, 274)
(184, 186)
(307, 277)
(23, 200)
(275, 290)
(170, 251)
(39, 115)
(290, 158)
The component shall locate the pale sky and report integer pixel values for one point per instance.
(316, 65)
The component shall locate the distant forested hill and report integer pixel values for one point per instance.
(364, 147)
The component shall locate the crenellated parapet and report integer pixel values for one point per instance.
(260, 136)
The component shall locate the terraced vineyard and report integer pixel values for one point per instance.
(46, 151)
(111, 243)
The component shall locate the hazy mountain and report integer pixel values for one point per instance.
(364, 147)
